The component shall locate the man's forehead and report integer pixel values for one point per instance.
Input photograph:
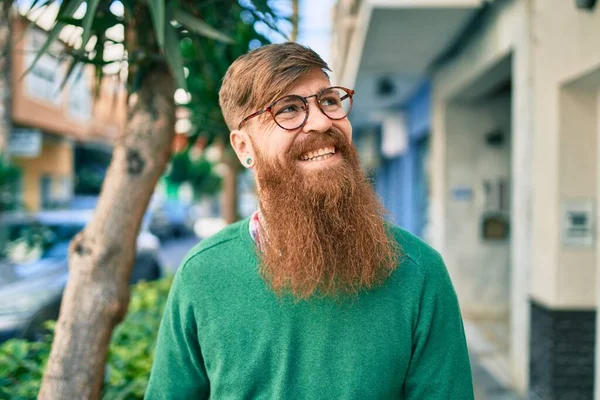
(309, 84)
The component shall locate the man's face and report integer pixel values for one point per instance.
(323, 230)
(277, 145)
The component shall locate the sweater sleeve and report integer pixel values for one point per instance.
(178, 370)
(439, 367)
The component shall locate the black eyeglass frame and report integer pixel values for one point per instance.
(269, 108)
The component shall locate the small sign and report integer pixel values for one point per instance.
(578, 222)
(462, 193)
(495, 227)
(25, 142)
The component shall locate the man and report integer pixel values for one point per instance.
(315, 296)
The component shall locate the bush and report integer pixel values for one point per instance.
(10, 178)
(130, 355)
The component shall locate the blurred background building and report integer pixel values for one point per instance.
(479, 121)
(61, 139)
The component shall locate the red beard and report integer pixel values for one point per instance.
(323, 231)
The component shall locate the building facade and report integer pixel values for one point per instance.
(513, 166)
(51, 123)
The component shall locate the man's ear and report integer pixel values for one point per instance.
(242, 145)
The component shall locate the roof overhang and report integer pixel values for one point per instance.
(393, 46)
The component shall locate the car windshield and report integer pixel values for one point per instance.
(29, 242)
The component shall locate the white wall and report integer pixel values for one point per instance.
(575, 275)
(564, 50)
(480, 267)
(506, 33)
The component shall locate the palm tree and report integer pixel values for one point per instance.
(101, 256)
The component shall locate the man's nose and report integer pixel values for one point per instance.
(317, 121)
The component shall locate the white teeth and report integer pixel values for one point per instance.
(320, 154)
(319, 158)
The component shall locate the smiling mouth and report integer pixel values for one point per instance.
(318, 155)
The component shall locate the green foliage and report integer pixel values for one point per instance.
(22, 365)
(201, 36)
(132, 345)
(10, 177)
(207, 61)
(153, 30)
(197, 171)
(129, 359)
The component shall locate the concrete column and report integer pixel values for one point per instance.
(521, 216)
(597, 356)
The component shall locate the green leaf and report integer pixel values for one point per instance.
(157, 10)
(68, 9)
(32, 21)
(71, 21)
(35, 2)
(100, 22)
(72, 65)
(198, 26)
(173, 55)
(88, 19)
(97, 61)
(18, 348)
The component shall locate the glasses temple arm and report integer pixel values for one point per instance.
(249, 117)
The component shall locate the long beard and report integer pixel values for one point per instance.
(323, 231)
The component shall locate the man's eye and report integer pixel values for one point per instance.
(288, 109)
(330, 101)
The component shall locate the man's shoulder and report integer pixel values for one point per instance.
(413, 247)
(415, 254)
(225, 242)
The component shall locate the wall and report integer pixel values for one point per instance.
(503, 35)
(39, 102)
(56, 161)
(480, 267)
(576, 286)
(565, 49)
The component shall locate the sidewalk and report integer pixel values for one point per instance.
(486, 386)
(488, 351)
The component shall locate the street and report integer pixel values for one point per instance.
(173, 251)
(486, 387)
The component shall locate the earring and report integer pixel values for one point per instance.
(249, 162)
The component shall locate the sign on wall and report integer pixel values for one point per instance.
(462, 193)
(578, 222)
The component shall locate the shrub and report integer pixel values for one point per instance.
(130, 354)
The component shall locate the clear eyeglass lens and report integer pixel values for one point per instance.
(335, 103)
(289, 112)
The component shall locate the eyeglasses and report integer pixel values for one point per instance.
(291, 112)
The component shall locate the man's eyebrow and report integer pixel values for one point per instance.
(319, 90)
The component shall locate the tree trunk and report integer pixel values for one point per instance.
(101, 256)
(295, 20)
(230, 198)
(6, 24)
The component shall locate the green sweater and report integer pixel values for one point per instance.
(225, 335)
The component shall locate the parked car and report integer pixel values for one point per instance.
(169, 220)
(34, 267)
